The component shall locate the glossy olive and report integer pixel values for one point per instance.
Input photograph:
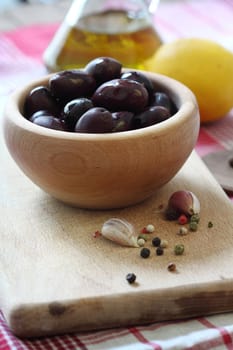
(50, 122)
(120, 95)
(95, 120)
(40, 98)
(140, 78)
(40, 113)
(161, 99)
(122, 121)
(104, 69)
(70, 84)
(74, 109)
(150, 116)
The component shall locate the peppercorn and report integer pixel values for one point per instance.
(97, 234)
(144, 230)
(193, 226)
(150, 228)
(171, 267)
(143, 236)
(210, 224)
(131, 277)
(183, 231)
(179, 249)
(145, 253)
(195, 218)
(156, 241)
(231, 162)
(141, 242)
(159, 251)
(183, 219)
(164, 243)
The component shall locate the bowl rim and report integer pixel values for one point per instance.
(178, 91)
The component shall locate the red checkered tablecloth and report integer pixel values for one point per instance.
(21, 61)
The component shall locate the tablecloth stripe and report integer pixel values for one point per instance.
(141, 338)
(222, 131)
(226, 336)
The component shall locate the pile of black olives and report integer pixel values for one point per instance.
(101, 98)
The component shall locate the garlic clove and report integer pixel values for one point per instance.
(184, 202)
(120, 231)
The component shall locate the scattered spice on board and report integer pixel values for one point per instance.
(183, 206)
(182, 219)
(183, 231)
(171, 267)
(210, 224)
(145, 253)
(179, 249)
(131, 278)
(195, 218)
(143, 236)
(193, 226)
(144, 230)
(97, 234)
(159, 251)
(156, 241)
(164, 243)
(148, 229)
(141, 242)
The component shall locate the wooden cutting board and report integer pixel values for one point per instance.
(55, 277)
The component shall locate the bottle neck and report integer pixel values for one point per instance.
(84, 8)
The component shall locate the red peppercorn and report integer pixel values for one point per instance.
(171, 267)
(97, 234)
(183, 219)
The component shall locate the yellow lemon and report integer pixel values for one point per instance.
(205, 67)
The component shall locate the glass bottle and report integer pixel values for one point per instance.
(120, 29)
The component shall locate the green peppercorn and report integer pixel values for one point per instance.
(179, 249)
(145, 253)
(195, 218)
(193, 226)
(143, 236)
(156, 241)
(159, 251)
(131, 277)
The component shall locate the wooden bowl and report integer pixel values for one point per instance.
(103, 171)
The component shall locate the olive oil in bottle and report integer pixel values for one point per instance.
(124, 31)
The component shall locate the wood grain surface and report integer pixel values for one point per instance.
(56, 277)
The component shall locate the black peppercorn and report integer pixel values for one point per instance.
(131, 277)
(159, 251)
(156, 241)
(145, 253)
